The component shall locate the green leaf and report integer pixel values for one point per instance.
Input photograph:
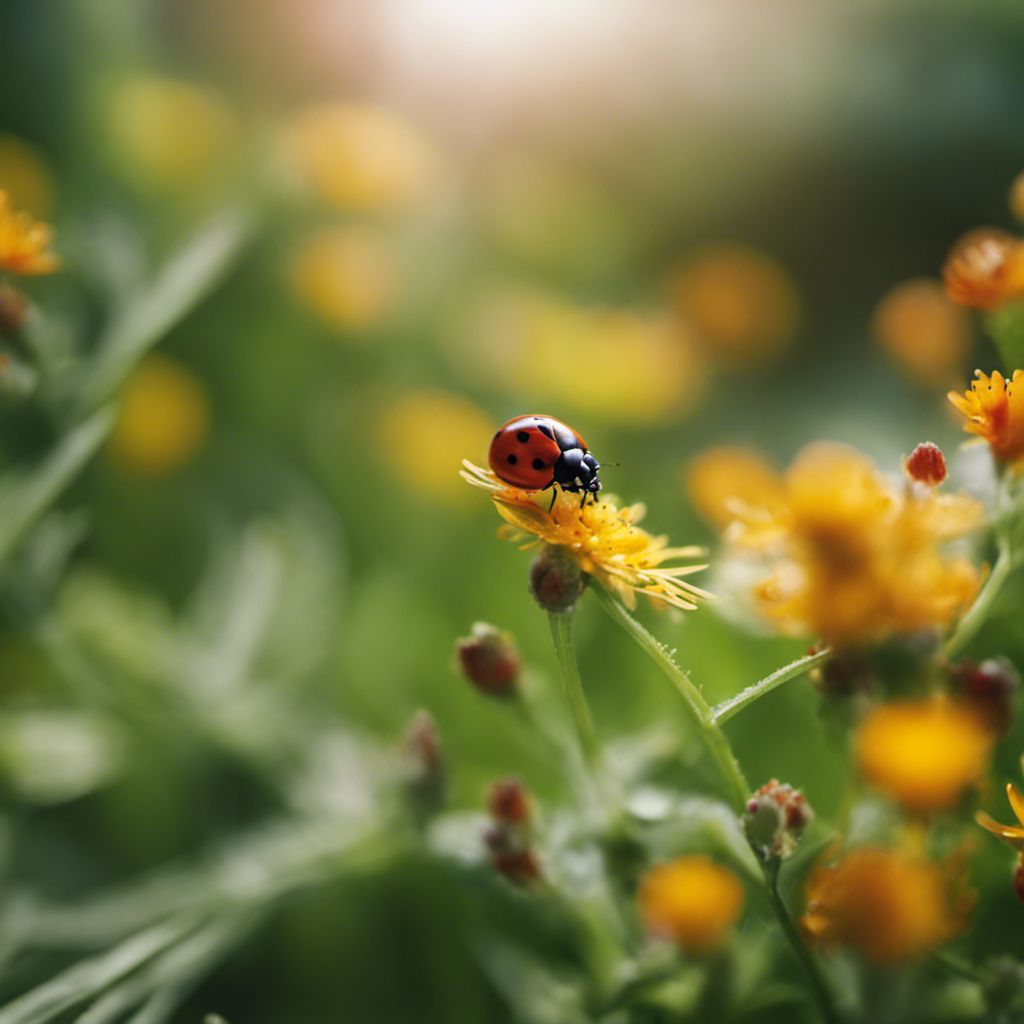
(1005, 326)
(184, 280)
(26, 495)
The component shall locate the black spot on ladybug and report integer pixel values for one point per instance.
(538, 463)
(512, 460)
(522, 436)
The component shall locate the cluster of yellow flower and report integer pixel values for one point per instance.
(855, 558)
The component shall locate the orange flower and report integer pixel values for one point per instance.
(854, 556)
(984, 269)
(995, 411)
(924, 754)
(24, 243)
(890, 906)
(693, 901)
(923, 331)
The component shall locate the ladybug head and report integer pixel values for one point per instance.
(576, 470)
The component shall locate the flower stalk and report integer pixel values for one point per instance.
(820, 991)
(561, 635)
(1009, 513)
(700, 711)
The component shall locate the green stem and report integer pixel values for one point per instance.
(975, 616)
(724, 711)
(1008, 519)
(700, 710)
(819, 989)
(561, 634)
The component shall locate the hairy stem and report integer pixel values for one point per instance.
(561, 634)
(724, 711)
(975, 617)
(820, 991)
(700, 710)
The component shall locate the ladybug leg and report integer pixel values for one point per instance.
(554, 496)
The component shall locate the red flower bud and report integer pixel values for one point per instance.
(489, 660)
(926, 464)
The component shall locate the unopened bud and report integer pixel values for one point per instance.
(926, 464)
(424, 766)
(517, 865)
(489, 660)
(843, 675)
(1018, 878)
(509, 802)
(989, 689)
(556, 581)
(775, 818)
(509, 839)
(13, 307)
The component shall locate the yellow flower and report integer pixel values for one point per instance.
(24, 244)
(602, 540)
(995, 411)
(164, 418)
(642, 367)
(172, 134)
(347, 276)
(720, 480)
(1012, 834)
(855, 556)
(425, 461)
(890, 906)
(985, 269)
(693, 901)
(924, 754)
(361, 157)
(923, 331)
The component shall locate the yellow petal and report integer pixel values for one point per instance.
(1008, 833)
(1016, 801)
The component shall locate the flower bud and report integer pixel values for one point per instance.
(1018, 879)
(13, 308)
(556, 581)
(489, 660)
(775, 818)
(844, 674)
(989, 689)
(508, 802)
(509, 839)
(425, 781)
(926, 464)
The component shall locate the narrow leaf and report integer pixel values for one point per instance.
(185, 280)
(26, 495)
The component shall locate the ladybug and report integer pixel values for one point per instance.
(537, 452)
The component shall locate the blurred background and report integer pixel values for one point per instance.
(671, 225)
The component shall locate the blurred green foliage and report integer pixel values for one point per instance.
(191, 656)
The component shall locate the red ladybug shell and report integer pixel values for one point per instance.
(525, 450)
